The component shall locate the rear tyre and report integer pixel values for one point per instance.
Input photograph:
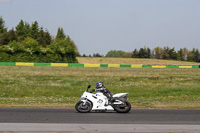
(125, 108)
(83, 108)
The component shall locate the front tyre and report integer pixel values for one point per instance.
(125, 108)
(83, 108)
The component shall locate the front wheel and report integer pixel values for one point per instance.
(83, 108)
(125, 108)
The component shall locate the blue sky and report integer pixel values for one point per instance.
(98, 26)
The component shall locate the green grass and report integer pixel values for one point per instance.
(170, 88)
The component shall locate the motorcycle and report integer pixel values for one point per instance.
(99, 102)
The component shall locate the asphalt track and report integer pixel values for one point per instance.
(176, 120)
(136, 116)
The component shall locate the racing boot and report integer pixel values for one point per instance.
(111, 100)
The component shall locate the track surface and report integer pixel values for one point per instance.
(136, 116)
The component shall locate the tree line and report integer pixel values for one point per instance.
(183, 54)
(31, 43)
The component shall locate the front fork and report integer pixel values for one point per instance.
(84, 101)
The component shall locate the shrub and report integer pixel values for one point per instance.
(30, 51)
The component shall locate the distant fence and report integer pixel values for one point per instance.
(95, 65)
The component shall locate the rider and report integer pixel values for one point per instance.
(100, 87)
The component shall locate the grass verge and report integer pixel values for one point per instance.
(113, 60)
(61, 87)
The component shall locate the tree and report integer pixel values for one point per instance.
(190, 56)
(4, 39)
(172, 54)
(166, 53)
(127, 55)
(8, 37)
(65, 48)
(178, 56)
(144, 53)
(184, 54)
(97, 55)
(3, 29)
(33, 44)
(47, 37)
(41, 38)
(115, 53)
(196, 55)
(27, 30)
(20, 30)
(60, 34)
(34, 33)
(135, 53)
(84, 55)
(180, 53)
(23, 30)
(44, 38)
(12, 35)
(141, 53)
(148, 53)
(158, 53)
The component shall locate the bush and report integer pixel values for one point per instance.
(5, 57)
(29, 51)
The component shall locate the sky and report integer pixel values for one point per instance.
(98, 26)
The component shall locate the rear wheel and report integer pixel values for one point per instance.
(124, 108)
(83, 108)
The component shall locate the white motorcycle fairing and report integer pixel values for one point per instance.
(100, 101)
(120, 95)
